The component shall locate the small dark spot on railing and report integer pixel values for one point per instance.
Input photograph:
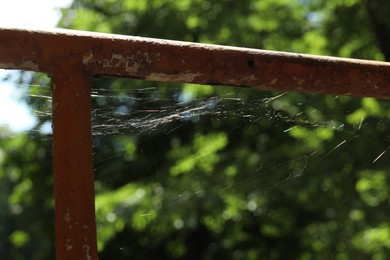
(251, 63)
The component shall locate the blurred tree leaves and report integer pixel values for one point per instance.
(287, 177)
(26, 201)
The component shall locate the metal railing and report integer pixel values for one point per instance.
(71, 58)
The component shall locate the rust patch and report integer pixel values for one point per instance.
(165, 60)
(183, 77)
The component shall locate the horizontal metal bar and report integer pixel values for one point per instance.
(175, 61)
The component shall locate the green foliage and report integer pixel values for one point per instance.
(305, 177)
(27, 217)
(374, 241)
(19, 238)
(200, 157)
(372, 187)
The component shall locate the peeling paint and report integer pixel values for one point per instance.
(132, 69)
(301, 81)
(109, 62)
(87, 250)
(249, 78)
(118, 60)
(68, 246)
(147, 58)
(7, 65)
(116, 56)
(67, 217)
(29, 64)
(88, 58)
(185, 77)
(231, 81)
(132, 63)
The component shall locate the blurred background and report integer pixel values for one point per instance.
(184, 171)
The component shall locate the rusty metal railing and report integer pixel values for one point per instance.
(71, 58)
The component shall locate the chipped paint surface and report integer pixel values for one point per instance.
(184, 77)
(118, 55)
(231, 82)
(68, 246)
(87, 249)
(5, 65)
(131, 63)
(27, 65)
(299, 81)
(30, 65)
(88, 58)
(147, 58)
(67, 217)
(116, 60)
(249, 78)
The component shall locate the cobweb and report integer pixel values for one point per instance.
(149, 109)
(164, 147)
(164, 110)
(157, 114)
(276, 143)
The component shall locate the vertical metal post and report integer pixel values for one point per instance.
(73, 179)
